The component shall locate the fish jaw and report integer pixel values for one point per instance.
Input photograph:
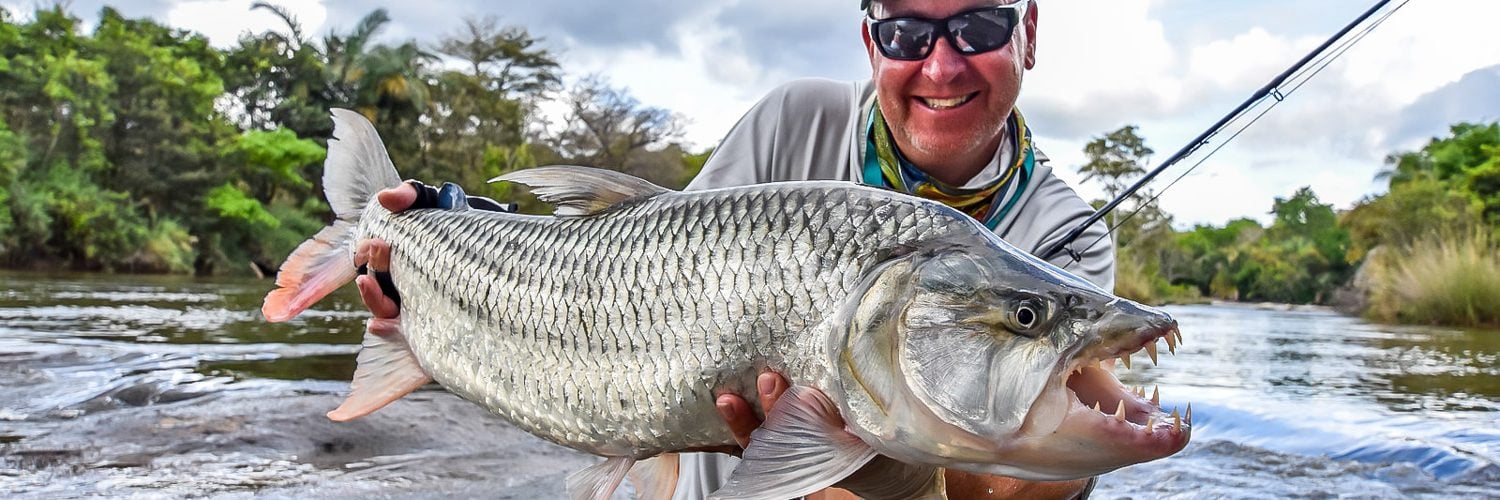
(1065, 437)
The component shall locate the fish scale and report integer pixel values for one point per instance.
(553, 322)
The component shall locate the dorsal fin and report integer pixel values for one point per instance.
(577, 191)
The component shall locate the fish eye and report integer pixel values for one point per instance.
(1026, 317)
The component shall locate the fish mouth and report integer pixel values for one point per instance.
(1128, 420)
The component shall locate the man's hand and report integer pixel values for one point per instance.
(377, 255)
(742, 421)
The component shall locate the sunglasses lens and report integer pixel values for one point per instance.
(911, 39)
(905, 39)
(982, 31)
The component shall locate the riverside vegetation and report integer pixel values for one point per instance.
(142, 148)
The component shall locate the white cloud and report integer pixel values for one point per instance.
(222, 21)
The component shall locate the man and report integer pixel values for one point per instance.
(936, 120)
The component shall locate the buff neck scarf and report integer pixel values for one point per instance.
(885, 167)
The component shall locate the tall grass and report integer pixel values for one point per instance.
(1137, 280)
(1441, 280)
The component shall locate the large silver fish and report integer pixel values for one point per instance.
(611, 327)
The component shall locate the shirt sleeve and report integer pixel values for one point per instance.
(1045, 218)
(799, 131)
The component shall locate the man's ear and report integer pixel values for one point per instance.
(1030, 24)
(864, 33)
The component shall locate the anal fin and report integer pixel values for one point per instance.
(387, 370)
(598, 481)
(655, 478)
(802, 447)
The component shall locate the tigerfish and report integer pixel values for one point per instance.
(910, 333)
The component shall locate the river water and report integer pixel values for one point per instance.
(146, 386)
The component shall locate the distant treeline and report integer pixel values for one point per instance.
(141, 147)
(1424, 252)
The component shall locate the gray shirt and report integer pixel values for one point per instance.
(814, 129)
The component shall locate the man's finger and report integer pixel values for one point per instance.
(378, 303)
(397, 198)
(770, 386)
(738, 416)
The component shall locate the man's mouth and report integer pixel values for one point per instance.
(1099, 397)
(941, 103)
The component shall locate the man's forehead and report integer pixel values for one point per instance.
(901, 7)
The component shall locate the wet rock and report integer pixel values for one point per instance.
(429, 445)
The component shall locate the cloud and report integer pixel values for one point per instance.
(212, 19)
(1473, 98)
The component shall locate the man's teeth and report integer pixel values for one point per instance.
(951, 102)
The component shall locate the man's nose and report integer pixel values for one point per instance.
(944, 63)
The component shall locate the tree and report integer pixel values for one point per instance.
(1115, 159)
(606, 126)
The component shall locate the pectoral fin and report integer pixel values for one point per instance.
(885, 478)
(802, 447)
(386, 371)
(599, 481)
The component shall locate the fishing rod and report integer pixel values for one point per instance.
(1270, 89)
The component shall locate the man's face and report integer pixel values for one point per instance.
(949, 106)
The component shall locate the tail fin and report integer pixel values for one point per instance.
(357, 167)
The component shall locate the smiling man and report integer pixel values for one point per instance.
(938, 119)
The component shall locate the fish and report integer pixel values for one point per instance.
(914, 338)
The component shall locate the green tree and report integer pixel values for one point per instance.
(1115, 159)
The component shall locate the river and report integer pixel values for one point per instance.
(159, 386)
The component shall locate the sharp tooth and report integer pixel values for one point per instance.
(1149, 420)
(1179, 336)
(1156, 396)
(1096, 407)
(1125, 359)
(1151, 351)
(1120, 411)
(1172, 343)
(1176, 420)
(1190, 414)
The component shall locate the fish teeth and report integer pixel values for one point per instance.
(1150, 419)
(1120, 411)
(1156, 396)
(1190, 414)
(1176, 421)
(1151, 351)
(1171, 343)
(1097, 408)
(1125, 359)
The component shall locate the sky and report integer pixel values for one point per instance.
(1171, 67)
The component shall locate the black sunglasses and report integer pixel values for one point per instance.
(970, 32)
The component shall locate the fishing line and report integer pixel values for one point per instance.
(1320, 64)
(1291, 81)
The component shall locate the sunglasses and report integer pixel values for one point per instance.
(970, 32)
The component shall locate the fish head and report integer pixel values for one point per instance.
(986, 359)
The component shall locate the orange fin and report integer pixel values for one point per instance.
(387, 371)
(357, 167)
(318, 267)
